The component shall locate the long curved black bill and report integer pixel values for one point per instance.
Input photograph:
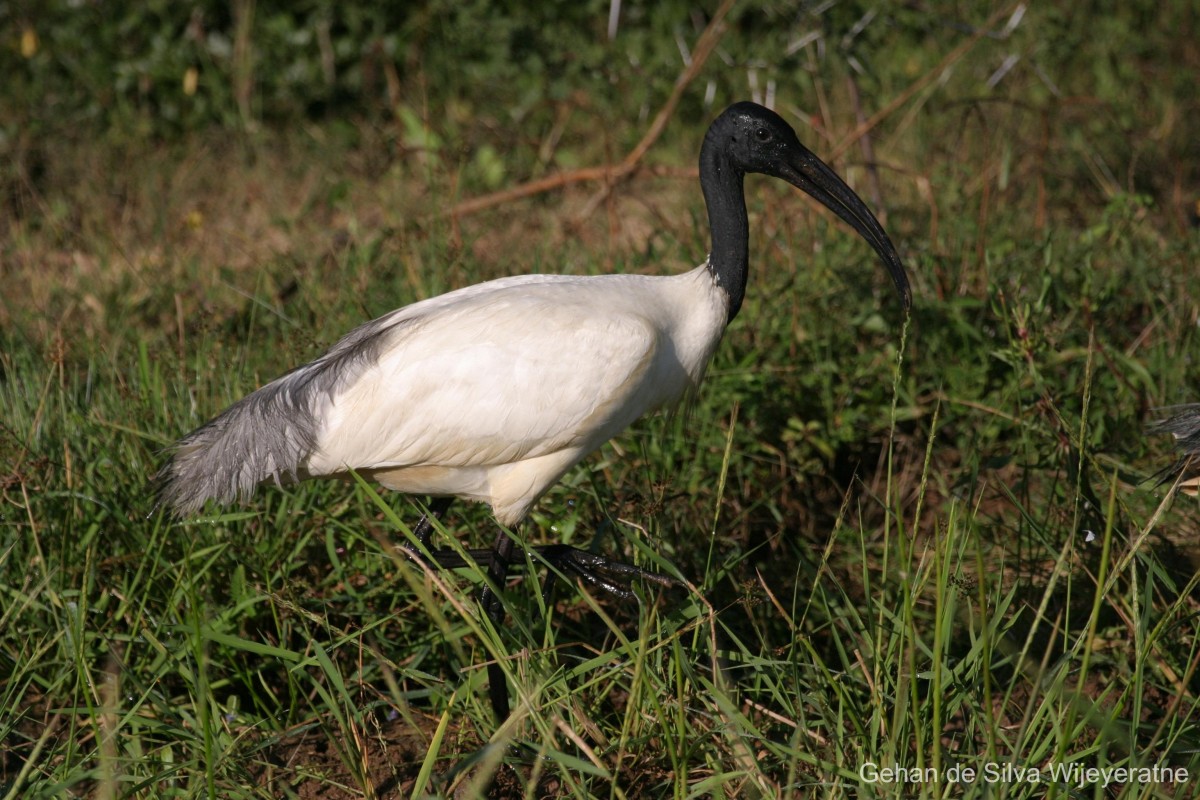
(814, 177)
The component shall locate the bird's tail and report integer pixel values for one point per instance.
(267, 435)
(270, 434)
(1183, 423)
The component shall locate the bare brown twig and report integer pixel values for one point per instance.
(612, 174)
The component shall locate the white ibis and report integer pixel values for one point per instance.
(492, 392)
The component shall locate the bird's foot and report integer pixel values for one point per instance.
(614, 577)
(597, 571)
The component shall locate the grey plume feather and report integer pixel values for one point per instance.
(1183, 423)
(271, 433)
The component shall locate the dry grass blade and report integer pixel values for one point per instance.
(902, 98)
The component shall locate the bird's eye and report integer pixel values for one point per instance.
(762, 134)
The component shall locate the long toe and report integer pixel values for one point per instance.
(614, 577)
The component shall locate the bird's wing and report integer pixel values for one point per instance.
(512, 376)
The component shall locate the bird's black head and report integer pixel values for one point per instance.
(754, 138)
(747, 137)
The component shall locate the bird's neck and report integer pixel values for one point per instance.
(728, 260)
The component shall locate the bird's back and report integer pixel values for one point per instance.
(489, 393)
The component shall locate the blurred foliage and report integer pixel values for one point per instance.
(163, 66)
(461, 77)
(169, 66)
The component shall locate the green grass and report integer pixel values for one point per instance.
(927, 543)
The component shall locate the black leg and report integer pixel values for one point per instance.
(602, 573)
(595, 570)
(489, 599)
(423, 530)
(497, 559)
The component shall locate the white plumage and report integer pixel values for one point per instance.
(489, 393)
(452, 408)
